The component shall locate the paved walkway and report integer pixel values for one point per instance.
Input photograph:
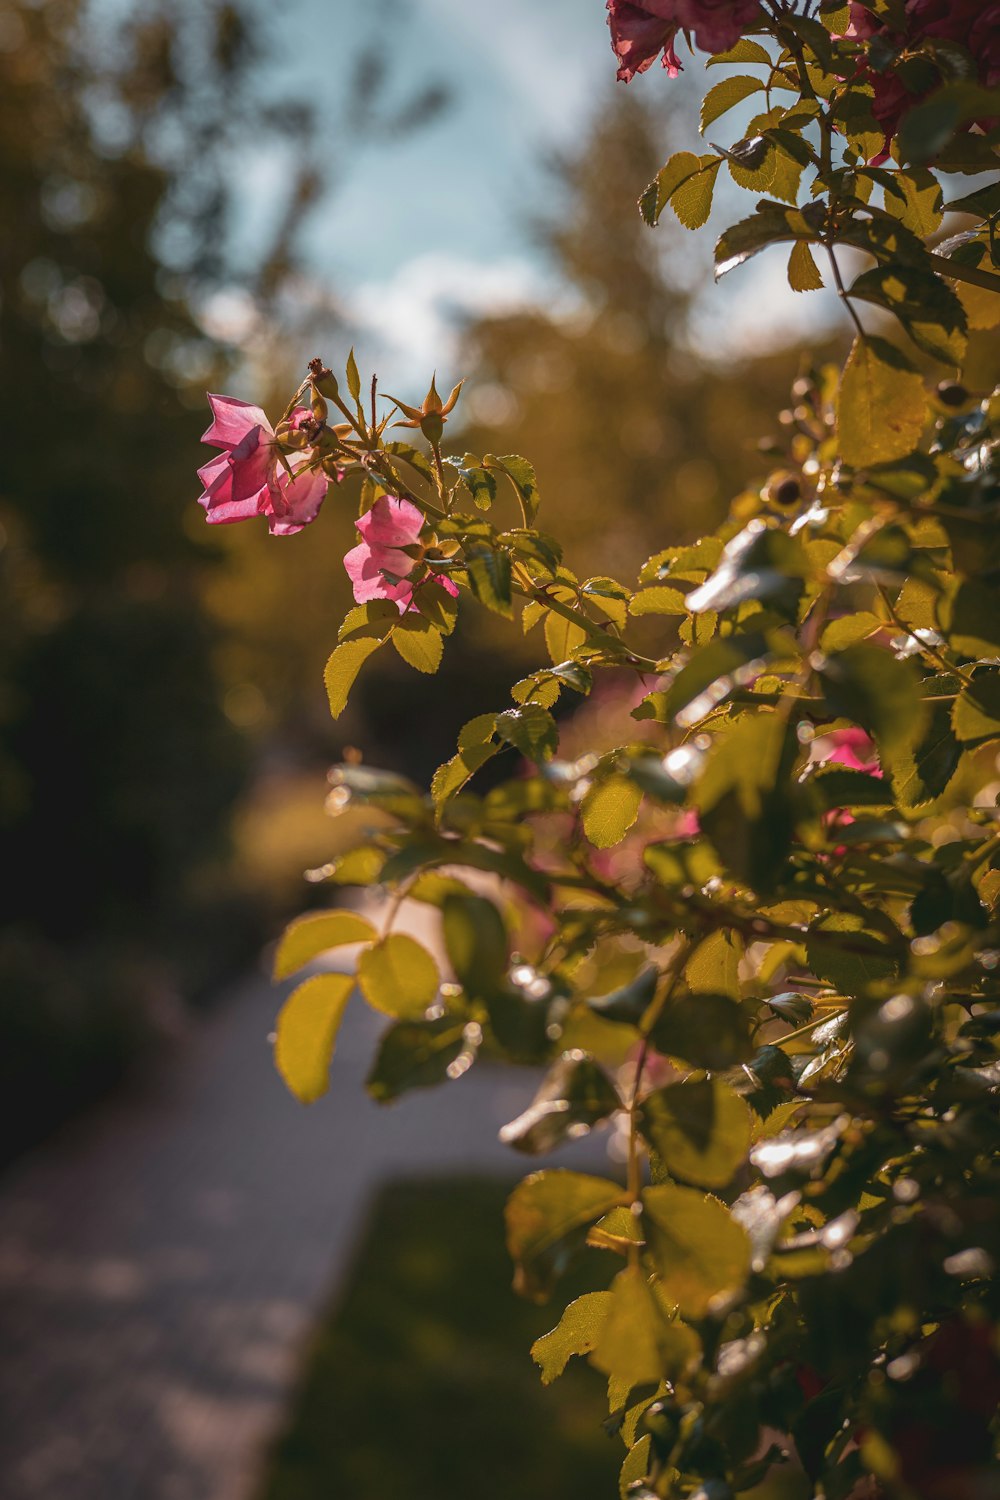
(161, 1264)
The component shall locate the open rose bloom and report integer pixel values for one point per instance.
(248, 478)
(642, 29)
(383, 564)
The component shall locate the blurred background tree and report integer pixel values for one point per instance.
(122, 143)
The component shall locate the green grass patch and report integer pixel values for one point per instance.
(418, 1384)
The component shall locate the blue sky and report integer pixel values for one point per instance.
(413, 236)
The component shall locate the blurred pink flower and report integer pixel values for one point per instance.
(849, 747)
(248, 478)
(380, 566)
(642, 29)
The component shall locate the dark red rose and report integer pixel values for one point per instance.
(643, 29)
(970, 23)
(639, 33)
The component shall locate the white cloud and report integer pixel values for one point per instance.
(410, 322)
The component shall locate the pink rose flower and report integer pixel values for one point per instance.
(849, 747)
(248, 477)
(642, 29)
(380, 566)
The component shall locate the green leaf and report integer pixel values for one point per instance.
(839, 787)
(540, 687)
(452, 776)
(476, 942)
(342, 668)
(712, 673)
(878, 691)
(839, 950)
(531, 729)
(418, 643)
(353, 377)
(631, 1001)
(659, 599)
(638, 1343)
(700, 1253)
(848, 630)
(926, 306)
(422, 1054)
(699, 1129)
(976, 715)
(547, 1216)
(562, 636)
(923, 765)
(574, 1095)
(480, 483)
(575, 1333)
(636, 1464)
(744, 811)
(743, 51)
(803, 272)
(915, 199)
(306, 1033)
(609, 810)
(761, 562)
(683, 169)
(522, 476)
(725, 95)
(399, 977)
(374, 619)
(476, 746)
(772, 223)
(307, 937)
(611, 598)
(969, 619)
(437, 606)
(714, 966)
(882, 407)
(489, 577)
(692, 200)
(707, 1031)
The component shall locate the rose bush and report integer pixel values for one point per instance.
(759, 933)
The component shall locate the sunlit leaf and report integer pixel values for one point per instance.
(306, 1033)
(307, 937)
(398, 977)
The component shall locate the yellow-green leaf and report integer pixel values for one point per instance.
(692, 201)
(635, 1467)
(307, 937)
(725, 95)
(803, 272)
(699, 1250)
(576, 1333)
(638, 1343)
(418, 642)
(343, 667)
(714, 966)
(882, 408)
(609, 809)
(547, 1219)
(306, 1033)
(399, 977)
(699, 1129)
(562, 636)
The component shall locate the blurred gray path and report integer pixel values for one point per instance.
(161, 1263)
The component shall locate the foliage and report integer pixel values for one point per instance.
(778, 894)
